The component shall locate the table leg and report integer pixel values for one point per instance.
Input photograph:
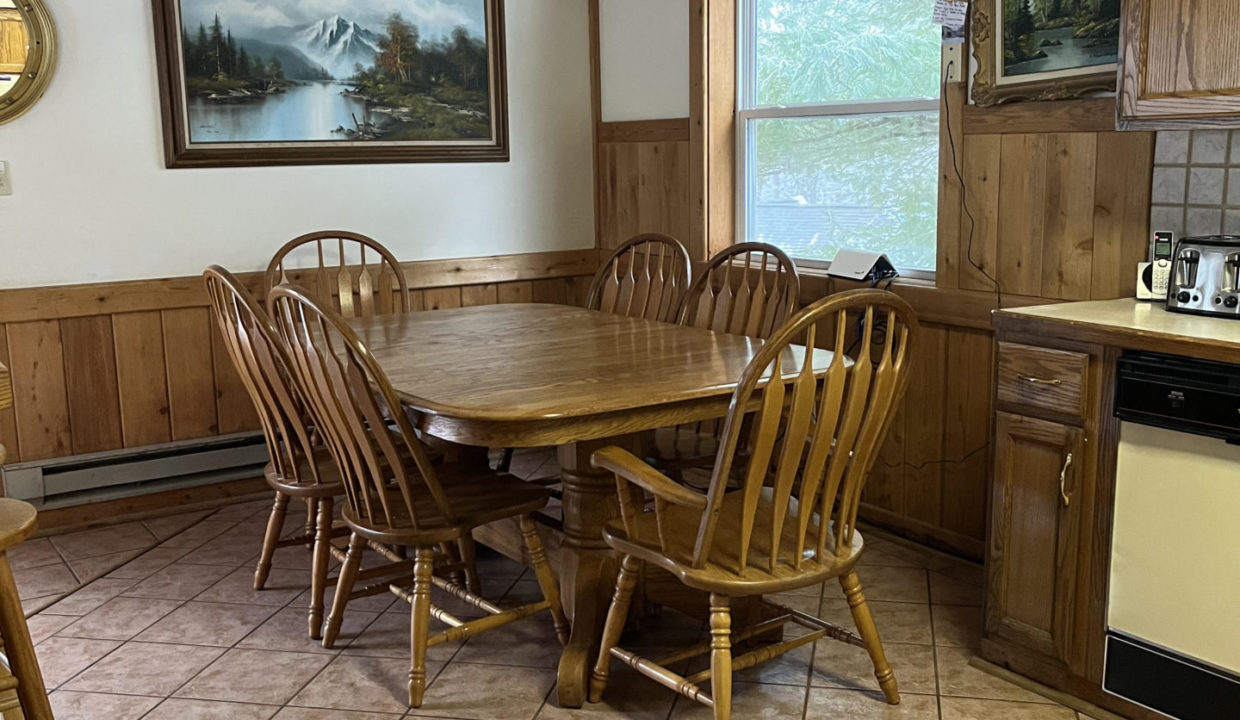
(588, 567)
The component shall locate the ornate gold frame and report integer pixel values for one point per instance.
(987, 91)
(40, 61)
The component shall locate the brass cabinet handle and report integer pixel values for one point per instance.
(1063, 479)
(1040, 381)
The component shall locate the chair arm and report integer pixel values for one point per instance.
(629, 467)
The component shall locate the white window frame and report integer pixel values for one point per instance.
(747, 115)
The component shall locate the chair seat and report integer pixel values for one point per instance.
(718, 574)
(476, 496)
(330, 482)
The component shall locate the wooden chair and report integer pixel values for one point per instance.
(299, 467)
(645, 277)
(355, 273)
(396, 497)
(749, 289)
(811, 445)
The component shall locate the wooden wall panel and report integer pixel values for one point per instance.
(91, 383)
(190, 372)
(1068, 231)
(143, 378)
(124, 365)
(643, 183)
(40, 401)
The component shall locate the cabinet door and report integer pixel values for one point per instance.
(1035, 534)
(1179, 60)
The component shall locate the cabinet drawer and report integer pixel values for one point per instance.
(1036, 377)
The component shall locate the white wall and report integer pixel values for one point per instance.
(644, 52)
(93, 202)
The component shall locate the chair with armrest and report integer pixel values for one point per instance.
(813, 438)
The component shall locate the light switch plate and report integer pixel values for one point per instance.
(6, 184)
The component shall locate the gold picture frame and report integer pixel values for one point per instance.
(31, 19)
(993, 86)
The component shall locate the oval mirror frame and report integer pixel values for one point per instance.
(40, 61)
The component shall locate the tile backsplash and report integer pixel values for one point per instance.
(1196, 186)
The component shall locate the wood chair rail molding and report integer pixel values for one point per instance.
(66, 301)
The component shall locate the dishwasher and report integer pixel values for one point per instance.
(1173, 601)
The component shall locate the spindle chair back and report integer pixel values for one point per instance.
(359, 276)
(748, 289)
(645, 277)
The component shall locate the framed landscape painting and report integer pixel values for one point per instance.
(307, 82)
(1043, 49)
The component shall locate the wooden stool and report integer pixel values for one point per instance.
(17, 522)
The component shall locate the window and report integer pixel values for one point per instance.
(839, 123)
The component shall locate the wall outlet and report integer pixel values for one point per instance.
(6, 183)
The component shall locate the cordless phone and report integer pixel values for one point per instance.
(1153, 277)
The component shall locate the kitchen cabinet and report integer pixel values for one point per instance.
(1178, 63)
(1035, 535)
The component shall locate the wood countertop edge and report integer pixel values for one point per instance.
(1128, 338)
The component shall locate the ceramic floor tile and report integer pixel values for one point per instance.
(39, 604)
(957, 625)
(974, 709)
(178, 581)
(198, 534)
(383, 602)
(840, 665)
(529, 642)
(373, 684)
(68, 705)
(198, 623)
(120, 618)
(241, 511)
(33, 553)
(895, 584)
(62, 658)
(854, 705)
(288, 629)
(254, 676)
(168, 525)
(145, 669)
(179, 709)
(148, 563)
(44, 626)
(238, 587)
(957, 678)
(89, 597)
(897, 622)
(294, 557)
(949, 591)
(629, 696)
(89, 568)
(44, 580)
(227, 549)
(104, 541)
(296, 713)
(966, 572)
(750, 701)
(487, 692)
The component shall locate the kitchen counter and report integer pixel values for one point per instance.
(1130, 324)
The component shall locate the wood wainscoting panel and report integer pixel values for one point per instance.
(643, 187)
(40, 401)
(91, 385)
(8, 423)
(130, 364)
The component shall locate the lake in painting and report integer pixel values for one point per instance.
(332, 70)
(1055, 35)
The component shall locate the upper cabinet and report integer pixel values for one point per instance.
(1180, 62)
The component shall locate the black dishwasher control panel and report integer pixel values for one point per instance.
(1179, 393)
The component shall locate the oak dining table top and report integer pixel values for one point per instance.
(534, 374)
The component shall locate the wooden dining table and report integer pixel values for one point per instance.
(535, 375)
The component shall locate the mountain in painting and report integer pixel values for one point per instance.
(337, 44)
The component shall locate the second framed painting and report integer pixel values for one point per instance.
(291, 82)
(1043, 49)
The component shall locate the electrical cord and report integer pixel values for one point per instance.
(964, 194)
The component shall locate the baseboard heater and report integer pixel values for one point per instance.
(116, 474)
(1167, 682)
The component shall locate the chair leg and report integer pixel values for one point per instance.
(275, 525)
(505, 461)
(344, 588)
(465, 547)
(616, 616)
(721, 655)
(869, 633)
(318, 573)
(451, 551)
(420, 623)
(546, 579)
(21, 656)
(312, 512)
